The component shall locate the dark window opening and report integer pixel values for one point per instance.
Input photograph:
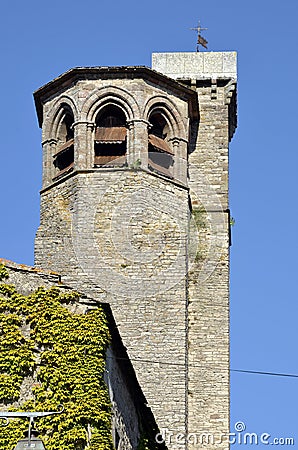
(160, 154)
(64, 157)
(64, 160)
(158, 125)
(68, 121)
(110, 137)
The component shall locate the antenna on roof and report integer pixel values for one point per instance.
(201, 41)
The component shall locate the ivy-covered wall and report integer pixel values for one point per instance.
(56, 355)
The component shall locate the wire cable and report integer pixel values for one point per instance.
(256, 372)
(275, 374)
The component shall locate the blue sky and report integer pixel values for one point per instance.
(40, 40)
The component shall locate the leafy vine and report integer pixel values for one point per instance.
(64, 353)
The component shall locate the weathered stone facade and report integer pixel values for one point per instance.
(131, 417)
(213, 76)
(148, 238)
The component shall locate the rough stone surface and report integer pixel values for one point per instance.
(103, 246)
(197, 65)
(125, 417)
(208, 287)
(129, 238)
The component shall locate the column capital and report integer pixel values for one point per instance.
(50, 141)
(131, 122)
(177, 140)
(88, 124)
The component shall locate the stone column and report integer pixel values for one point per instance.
(180, 159)
(137, 143)
(48, 150)
(83, 145)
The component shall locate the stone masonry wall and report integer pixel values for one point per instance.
(128, 238)
(208, 310)
(213, 76)
(121, 236)
(27, 279)
(125, 424)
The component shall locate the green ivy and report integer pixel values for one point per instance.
(3, 272)
(65, 353)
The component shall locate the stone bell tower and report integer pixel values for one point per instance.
(134, 211)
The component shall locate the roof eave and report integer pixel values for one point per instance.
(78, 73)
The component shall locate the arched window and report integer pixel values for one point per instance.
(64, 157)
(160, 154)
(110, 137)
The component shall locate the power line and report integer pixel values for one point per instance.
(217, 368)
(275, 374)
(256, 372)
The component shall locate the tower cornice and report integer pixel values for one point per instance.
(72, 76)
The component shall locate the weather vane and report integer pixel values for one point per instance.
(201, 41)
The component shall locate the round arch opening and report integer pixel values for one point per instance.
(160, 153)
(110, 141)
